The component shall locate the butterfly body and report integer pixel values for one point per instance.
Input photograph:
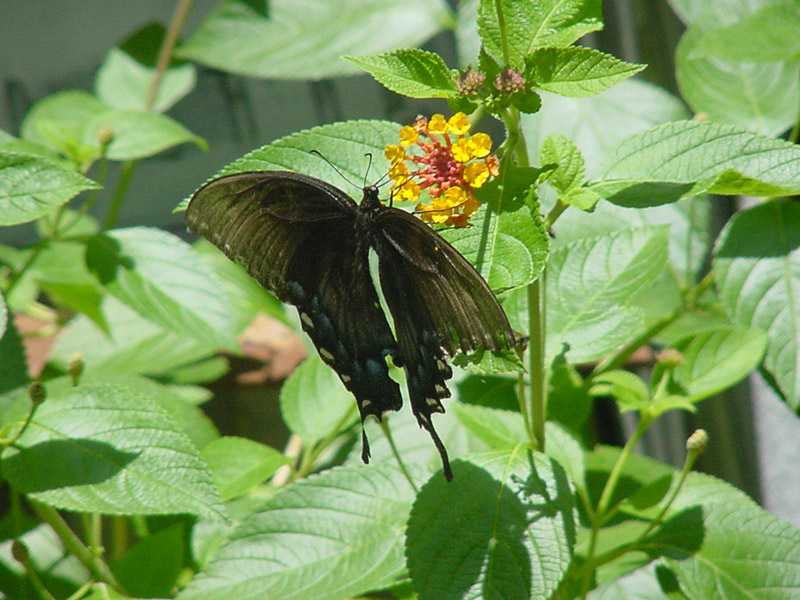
(308, 242)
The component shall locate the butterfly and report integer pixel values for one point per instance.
(308, 242)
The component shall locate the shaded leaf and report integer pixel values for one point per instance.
(520, 511)
(720, 544)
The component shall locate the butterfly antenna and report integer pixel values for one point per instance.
(369, 164)
(332, 166)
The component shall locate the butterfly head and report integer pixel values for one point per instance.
(370, 200)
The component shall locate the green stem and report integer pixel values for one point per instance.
(601, 514)
(501, 23)
(74, 545)
(388, 433)
(15, 277)
(613, 478)
(119, 194)
(167, 46)
(558, 208)
(537, 398)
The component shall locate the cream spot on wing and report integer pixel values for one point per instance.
(440, 388)
(432, 401)
(325, 354)
(366, 403)
(307, 320)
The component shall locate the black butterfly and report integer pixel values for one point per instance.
(308, 242)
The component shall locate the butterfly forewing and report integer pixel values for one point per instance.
(297, 237)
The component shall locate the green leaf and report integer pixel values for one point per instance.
(124, 78)
(289, 42)
(9, 143)
(411, 72)
(630, 392)
(582, 199)
(530, 25)
(681, 159)
(589, 282)
(717, 359)
(343, 144)
(598, 123)
(720, 544)
(571, 170)
(315, 403)
(138, 134)
(498, 428)
(132, 345)
(32, 186)
(508, 243)
(106, 449)
(246, 298)
(576, 71)
(760, 97)
(150, 568)
(521, 531)
(766, 35)
(12, 353)
(71, 121)
(286, 551)
(59, 121)
(757, 269)
(160, 277)
(238, 464)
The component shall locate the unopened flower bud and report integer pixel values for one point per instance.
(75, 367)
(509, 82)
(37, 392)
(105, 135)
(697, 442)
(670, 358)
(469, 83)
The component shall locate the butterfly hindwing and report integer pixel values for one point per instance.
(296, 236)
(440, 305)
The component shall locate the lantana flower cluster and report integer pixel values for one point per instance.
(438, 156)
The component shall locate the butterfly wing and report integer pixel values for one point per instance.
(296, 236)
(440, 305)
